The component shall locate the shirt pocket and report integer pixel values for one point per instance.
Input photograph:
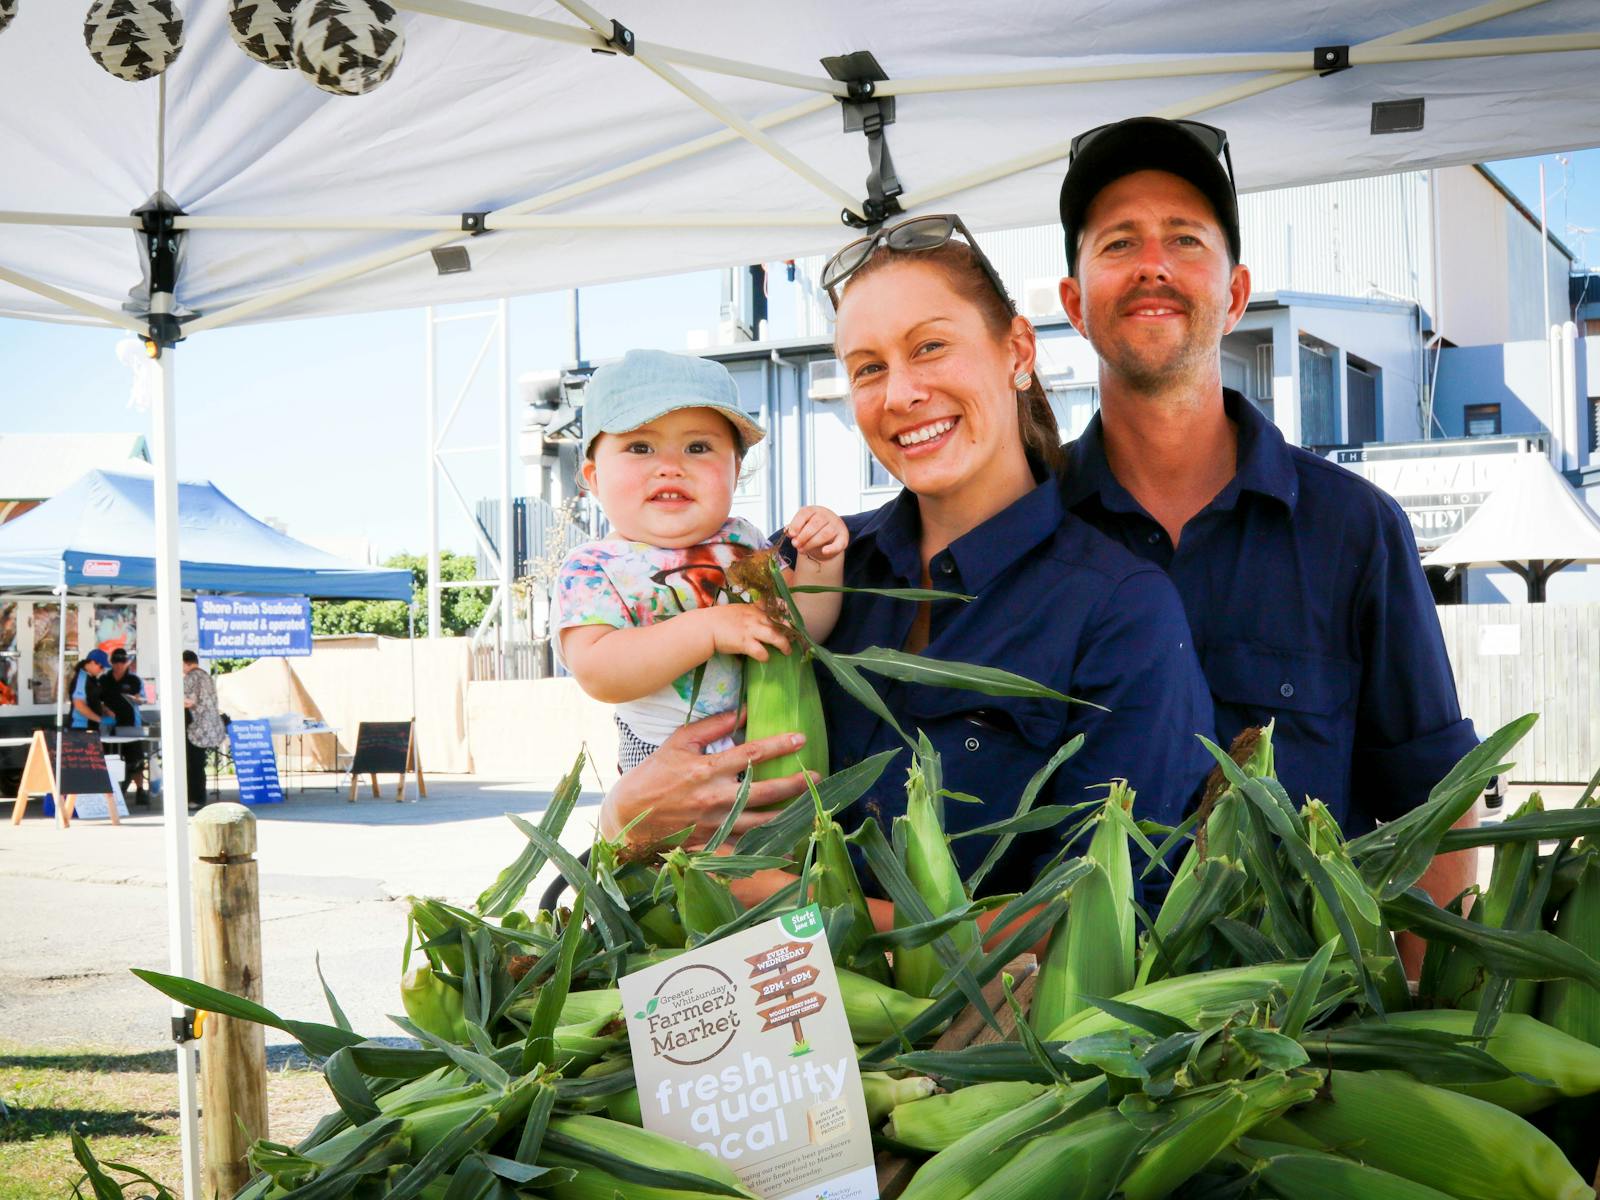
(1314, 694)
(970, 725)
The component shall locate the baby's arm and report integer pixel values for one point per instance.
(820, 537)
(616, 665)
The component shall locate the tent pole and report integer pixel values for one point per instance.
(430, 432)
(84, 220)
(508, 552)
(61, 659)
(67, 300)
(174, 786)
(411, 656)
(500, 222)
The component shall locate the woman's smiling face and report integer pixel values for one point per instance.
(931, 382)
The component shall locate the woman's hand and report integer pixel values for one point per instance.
(681, 785)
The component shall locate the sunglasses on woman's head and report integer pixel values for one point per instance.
(918, 233)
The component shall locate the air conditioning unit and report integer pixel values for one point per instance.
(825, 380)
(1042, 298)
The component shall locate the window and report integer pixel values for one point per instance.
(1319, 418)
(1481, 420)
(877, 474)
(1361, 403)
(1594, 425)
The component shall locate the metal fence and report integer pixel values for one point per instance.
(1511, 659)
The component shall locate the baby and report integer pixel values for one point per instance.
(641, 615)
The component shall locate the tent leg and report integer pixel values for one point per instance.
(61, 663)
(175, 791)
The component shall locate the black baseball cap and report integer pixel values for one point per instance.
(119, 655)
(1190, 150)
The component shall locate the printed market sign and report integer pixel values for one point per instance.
(741, 1048)
(253, 626)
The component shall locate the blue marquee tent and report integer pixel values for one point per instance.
(99, 535)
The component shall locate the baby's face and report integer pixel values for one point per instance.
(669, 483)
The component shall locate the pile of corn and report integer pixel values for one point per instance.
(1254, 1036)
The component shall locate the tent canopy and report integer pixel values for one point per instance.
(101, 531)
(719, 141)
(1532, 516)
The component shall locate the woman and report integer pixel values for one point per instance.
(941, 375)
(203, 724)
(88, 710)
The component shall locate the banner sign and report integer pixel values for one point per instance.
(742, 1049)
(253, 626)
(254, 762)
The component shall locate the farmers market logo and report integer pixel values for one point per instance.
(691, 1018)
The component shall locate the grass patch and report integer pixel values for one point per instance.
(124, 1103)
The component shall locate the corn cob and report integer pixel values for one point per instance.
(884, 1092)
(1187, 997)
(1081, 1161)
(1460, 984)
(1374, 937)
(1525, 1045)
(781, 696)
(570, 1140)
(1090, 951)
(1298, 1174)
(1464, 1147)
(875, 1010)
(624, 1107)
(932, 871)
(938, 1122)
(704, 902)
(837, 886)
(1568, 1004)
(433, 1005)
(1207, 1124)
(961, 1167)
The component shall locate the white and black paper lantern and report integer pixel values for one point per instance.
(264, 29)
(134, 39)
(347, 47)
(8, 9)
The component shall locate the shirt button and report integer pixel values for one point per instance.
(1286, 690)
(1154, 538)
(946, 567)
(972, 743)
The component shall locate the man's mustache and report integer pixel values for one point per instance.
(1166, 295)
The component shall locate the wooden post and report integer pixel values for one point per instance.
(233, 1054)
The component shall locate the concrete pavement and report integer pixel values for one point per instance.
(83, 905)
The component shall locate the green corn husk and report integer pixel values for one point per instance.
(1567, 1004)
(624, 1107)
(583, 1142)
(1187, 997)
(957, 1170)
(1525, 1045)
(433, 1005)
(1081, 1161)
(884, 1092)
(875, 1010)
(781, 696)
(1374, 937)
(1461, 980)
(1300, 1174)
(704, 902)
(1209, 1123)
(837, 886)
(938, 1122)
(1464, 1147)
(1091, 948)
(932, 870)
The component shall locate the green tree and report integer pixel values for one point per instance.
(460, 609)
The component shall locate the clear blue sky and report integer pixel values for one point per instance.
(319, 423)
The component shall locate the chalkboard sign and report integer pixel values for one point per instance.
(81, 769)
(389, 748)
(254, 763)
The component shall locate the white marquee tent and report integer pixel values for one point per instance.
(715, 138)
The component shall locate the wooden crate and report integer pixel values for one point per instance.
(968, 1029)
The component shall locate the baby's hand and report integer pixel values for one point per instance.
(818, 533)
(741, 628)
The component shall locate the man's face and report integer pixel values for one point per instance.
(1154, 291)
(119, 669)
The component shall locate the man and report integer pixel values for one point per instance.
(1301, 581)
(121, 692)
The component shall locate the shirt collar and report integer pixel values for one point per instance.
(982, 554)
(1265, 463)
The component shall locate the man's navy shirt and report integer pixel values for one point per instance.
(1053, 601)
(1309, 607)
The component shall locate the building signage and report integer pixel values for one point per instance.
(741, 1048)
(1440, 484)
(253, 626)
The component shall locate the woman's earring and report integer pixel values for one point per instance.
(1022, 380)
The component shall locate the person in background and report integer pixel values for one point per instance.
(121, 692)
(203, 724)
(88, 709)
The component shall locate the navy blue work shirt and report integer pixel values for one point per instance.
(1306, 596)
(1053, 601)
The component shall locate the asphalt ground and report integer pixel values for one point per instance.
(79, 907)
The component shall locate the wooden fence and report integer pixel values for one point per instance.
(522, 660)
(1511, 659)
